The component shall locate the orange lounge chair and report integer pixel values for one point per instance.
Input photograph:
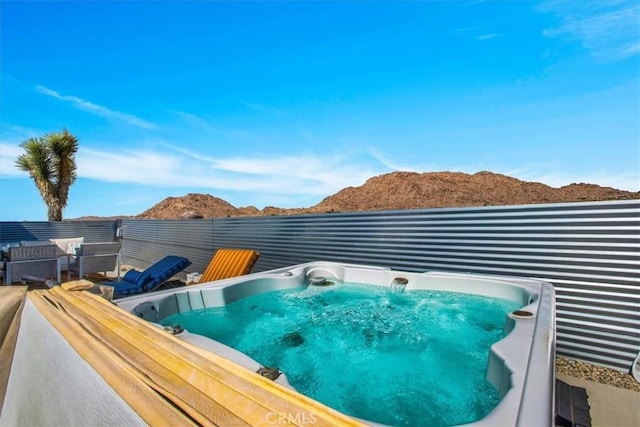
(228, 263)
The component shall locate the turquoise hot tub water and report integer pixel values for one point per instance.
(388, 347)
(402, 358)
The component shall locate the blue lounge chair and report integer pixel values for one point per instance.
(136, 282)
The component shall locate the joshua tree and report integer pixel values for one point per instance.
(51, 163)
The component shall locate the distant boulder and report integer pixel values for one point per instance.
(191, 215)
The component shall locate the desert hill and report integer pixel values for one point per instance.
(402, 190)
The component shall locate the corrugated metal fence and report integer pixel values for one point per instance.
(590, 252)
(92, 231)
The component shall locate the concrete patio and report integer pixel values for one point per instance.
(610, 406)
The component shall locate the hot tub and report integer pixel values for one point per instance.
(520, 366)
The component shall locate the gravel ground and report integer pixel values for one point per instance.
(598, 374)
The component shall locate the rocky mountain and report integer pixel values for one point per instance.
(402, 190)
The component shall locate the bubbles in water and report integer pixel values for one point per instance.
(400, 358)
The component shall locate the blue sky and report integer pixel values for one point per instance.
(284, 103)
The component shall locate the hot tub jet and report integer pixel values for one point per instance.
(174, 329)
(399, 284)
(270, 373)
(320, 281)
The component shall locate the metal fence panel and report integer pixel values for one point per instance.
(589, 251)
(93, 231)
(147, 241)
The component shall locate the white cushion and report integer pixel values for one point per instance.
(69, 245)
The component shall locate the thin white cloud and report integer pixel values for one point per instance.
(607, 28)
(488, 36)
(96, 109)
(11, 136)
(478, 32)
(192, 118)
(389, 163)
(307, 175)
(267, 109)
(464, 31)
(8, 155)
(207, 129)
(21, 133)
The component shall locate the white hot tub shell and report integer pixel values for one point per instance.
(521, 366)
